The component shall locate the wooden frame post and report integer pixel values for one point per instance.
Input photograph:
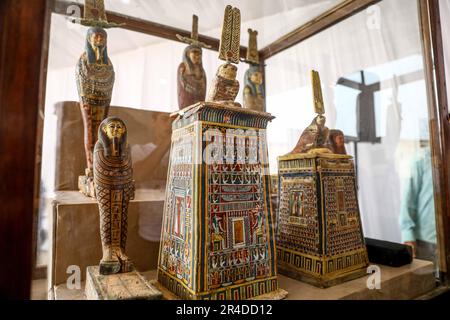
(438, 124)
(22, 33)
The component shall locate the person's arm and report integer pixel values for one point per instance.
(408, 211)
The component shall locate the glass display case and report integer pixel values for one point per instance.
(382, 65)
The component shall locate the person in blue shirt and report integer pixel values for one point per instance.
(417, 219)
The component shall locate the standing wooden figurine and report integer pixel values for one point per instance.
(95, 81)
(225, 87)
(191, 77)
(114, 187)
(253, 79)
(116, 277)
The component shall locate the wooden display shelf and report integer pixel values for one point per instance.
(404, 283)
(76, 234)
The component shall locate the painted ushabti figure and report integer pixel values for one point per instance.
(253, 79)
(115, 278)
(217, 237)
(95, 81)
(225, 87)
(114, 188)
(191, 77)
(319, 234)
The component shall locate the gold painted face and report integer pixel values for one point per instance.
(195, 56)
(256, 78)
(114, 129)
(228, 71)
(98, 39)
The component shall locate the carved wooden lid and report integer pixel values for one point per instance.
(222, 113)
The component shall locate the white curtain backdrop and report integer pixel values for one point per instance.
(383, 40)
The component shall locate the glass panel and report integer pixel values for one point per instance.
(374, 90)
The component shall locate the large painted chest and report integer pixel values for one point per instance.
(319, 234)
(218, 236)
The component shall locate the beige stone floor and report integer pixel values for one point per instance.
(407, 282)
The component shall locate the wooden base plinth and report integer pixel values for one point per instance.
(120, 286)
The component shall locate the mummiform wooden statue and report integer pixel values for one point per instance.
(191, 77)
(95, 81)
(114, 188)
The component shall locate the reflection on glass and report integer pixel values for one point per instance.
(374, 91)
(417, 221)
(366, 130)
